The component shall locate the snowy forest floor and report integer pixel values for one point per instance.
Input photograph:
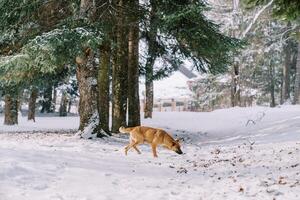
(237, 153)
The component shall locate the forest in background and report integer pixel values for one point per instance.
(90, 50)
(266, 71)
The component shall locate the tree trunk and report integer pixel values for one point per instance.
(63, 104)
(272, 84)
(124, 75)
(103, 88)
(54, 98)
(70, 105)
(235, 83)
(235, 86)
(119, 82)
(32, 104)
(47, 101)
(86, 77)
(152, 54)
(286, 72)
(11, 110)
(297, 78)
(133, 70)
(85, 73)
(149, 93)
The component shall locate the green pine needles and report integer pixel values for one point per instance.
(47, 53)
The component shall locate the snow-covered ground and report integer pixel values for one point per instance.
(238, 153)
(44, 123)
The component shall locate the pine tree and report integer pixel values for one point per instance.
(184, 33)
(70, 41)
(120, 68)
(133, 65)
(151, 57)
(103, 86)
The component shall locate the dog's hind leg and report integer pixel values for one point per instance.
(154, 150)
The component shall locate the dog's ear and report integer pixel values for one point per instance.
(179, 140)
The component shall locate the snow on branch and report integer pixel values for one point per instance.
(255, 18)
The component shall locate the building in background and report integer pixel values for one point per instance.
(172, 93)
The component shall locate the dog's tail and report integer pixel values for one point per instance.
(122, 129)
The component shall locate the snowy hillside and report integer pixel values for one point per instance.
(238, 153)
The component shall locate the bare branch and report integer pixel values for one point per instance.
(255, 18)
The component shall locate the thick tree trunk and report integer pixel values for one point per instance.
(286, 73)
(124, 73)
(152, 54)
(86, 77)
(32, 104)
(63, 104)
(119, 82)
(133, 70)
(47, 101)
(11, 110)
(297, 78)
(85, 73)
(103, 88)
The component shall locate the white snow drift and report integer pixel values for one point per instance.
(239, 153)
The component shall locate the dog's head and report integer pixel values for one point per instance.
(176, 146)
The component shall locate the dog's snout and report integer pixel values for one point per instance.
(179, 151)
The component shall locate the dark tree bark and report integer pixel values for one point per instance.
(47, 101)
(54, 98)
(152, 54)
(103, 88)
(133, 70)
(297, 78)
(119, 81)
(32, 104)
(149, 93)
(11, 110)
(63, 104)
(124, 72)
(272, 84)
(85, 73)
(70, 105)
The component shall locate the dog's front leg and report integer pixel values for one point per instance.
(132, 144)
(126, 149)
(137, 150)
(154, 150)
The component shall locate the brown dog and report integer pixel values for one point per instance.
(153, 136)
